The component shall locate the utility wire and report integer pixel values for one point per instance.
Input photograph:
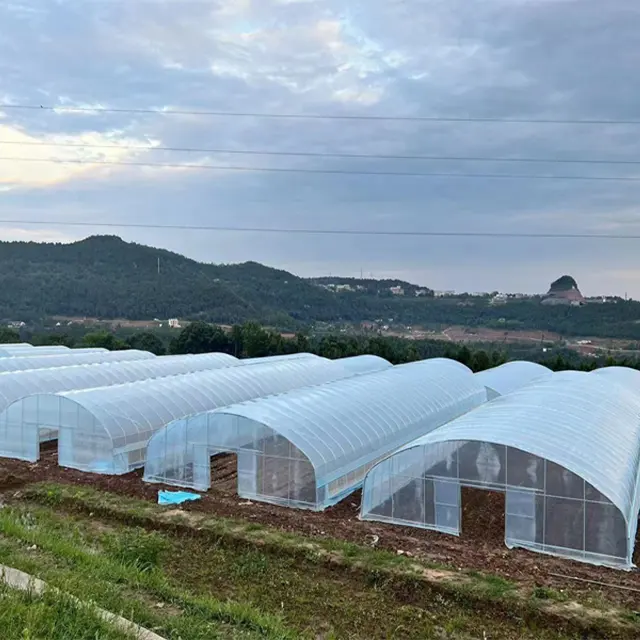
(335, 232)
(312, 116)
(348, 172)
(318, 154)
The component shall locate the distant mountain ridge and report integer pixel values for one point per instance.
(106, 277)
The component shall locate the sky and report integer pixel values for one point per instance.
(495, 59)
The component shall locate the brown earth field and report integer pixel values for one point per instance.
(480, 547)
(481, 334)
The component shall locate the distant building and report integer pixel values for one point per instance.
(174, 323)
(397, 291)
(443, 294)
(499, 298)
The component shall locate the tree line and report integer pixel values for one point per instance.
(250, 340)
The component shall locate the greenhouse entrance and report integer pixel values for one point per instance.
(483, 514)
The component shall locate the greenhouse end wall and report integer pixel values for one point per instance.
(548, 508)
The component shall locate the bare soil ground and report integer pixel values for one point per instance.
(480, 547)
(481, 334)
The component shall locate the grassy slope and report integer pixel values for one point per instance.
(24, 616)
(269, 584)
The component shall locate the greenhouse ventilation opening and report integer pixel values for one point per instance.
(28, 414)
(565, 450)
(107, 429)
(311, 447)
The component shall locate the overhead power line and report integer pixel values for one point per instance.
(348, 172)
(317, 154)
(314, 116)
(334, 232)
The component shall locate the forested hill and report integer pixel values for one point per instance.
(106, 277)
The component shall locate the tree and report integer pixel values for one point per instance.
(53, 340)
(480, 361)
(147, 341)
(7, 336)
(103, 339)
(201, 337)
(257, 343)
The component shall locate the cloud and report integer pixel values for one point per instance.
(48, 160)
(536, 59)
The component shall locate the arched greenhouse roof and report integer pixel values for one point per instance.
(584, 423)
(7, 351)
(629, 378)
(512, 375)
(364, 363)
(127, 408)
(18, 384)
(363, 417)
(246, 383)
(23, 363)
(123, 417)
(288, 356)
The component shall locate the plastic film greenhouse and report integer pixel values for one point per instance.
(178, 454)
(27, 416)
(565, 451)
(629, 378)
(310, 447)
(23, 363)
(511, 376)
(8, 351)
(107, 429)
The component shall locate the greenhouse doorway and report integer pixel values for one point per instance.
(224, 471)
(483, 515)
(49, 447)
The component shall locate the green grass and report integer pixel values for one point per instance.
(268, 582)
(51, 616)
(547, 593)
(59, 552)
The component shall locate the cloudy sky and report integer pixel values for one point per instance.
(504, 59)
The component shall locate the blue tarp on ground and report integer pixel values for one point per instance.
(176, 497)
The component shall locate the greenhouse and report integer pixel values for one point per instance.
(177, 454)
(511, 376)
(107, 429)
(9, 351)
(311, 447)
(565, 451)
(627, 377)
(23, 363)
(25, 408)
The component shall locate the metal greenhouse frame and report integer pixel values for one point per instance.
(311, 447)
(565, 450)
(511, 376)
(107, 429)
(24, 363)
(25, 408)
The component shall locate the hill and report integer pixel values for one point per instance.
(105, 277)
(564, 290)
(563, 283)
